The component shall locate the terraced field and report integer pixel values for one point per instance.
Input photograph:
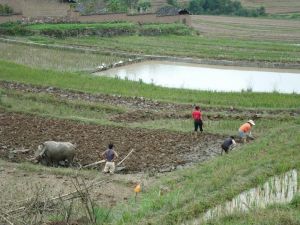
(274, 6)
(182, 174)
(248, 28)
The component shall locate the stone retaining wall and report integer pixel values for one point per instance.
(12, 18)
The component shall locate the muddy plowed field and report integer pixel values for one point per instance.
(154, 149)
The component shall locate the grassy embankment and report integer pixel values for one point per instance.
(194, 191)
(46, 105)
(190, 46)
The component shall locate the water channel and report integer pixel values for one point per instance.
(207, 77)
(278, 189)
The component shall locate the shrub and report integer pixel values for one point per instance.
(164, 29)
(226, 7)
(14, 28)
(5, 10)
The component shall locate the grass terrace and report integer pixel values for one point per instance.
(106, 85)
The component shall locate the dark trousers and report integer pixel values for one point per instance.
(224, 148)
(198, 124)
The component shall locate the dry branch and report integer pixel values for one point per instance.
(64, 197)
(5, 218)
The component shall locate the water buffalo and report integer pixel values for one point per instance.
(52, 153)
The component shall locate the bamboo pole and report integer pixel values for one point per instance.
(94, 164)
(125, 157)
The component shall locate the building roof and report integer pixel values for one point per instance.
(70, 1)
(171, 11)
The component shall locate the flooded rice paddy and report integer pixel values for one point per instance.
(278, 189)
(202, 77)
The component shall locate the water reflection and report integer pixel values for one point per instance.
(279, 189)
(199, 77)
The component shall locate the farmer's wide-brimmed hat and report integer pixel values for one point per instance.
(251, 122)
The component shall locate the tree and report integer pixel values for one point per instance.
(143, 5)
(130, 3)
(227, 7)
(5, 10)
(261, 11)
(115, 6)
(172, 2)
(1, 9)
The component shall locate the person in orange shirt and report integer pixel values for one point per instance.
(245, 130)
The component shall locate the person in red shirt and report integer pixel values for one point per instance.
(197, 116)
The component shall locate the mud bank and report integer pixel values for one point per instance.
(139, 103)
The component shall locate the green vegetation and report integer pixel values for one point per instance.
(274, 214)
(223, 127)
(14, 28)
(74, 26)
(64, 30)
(99, 29)
(285, 16)
(195, 190)
(196, 47)
(164, 29)
(224, 7)
(29, 167)
(5, 10)
(55, 58)
(96, 113)
(49, 106)
(92, 7)
(94, 84)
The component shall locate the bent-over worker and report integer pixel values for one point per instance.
(228, 144)
(245, 130)
(110, 154)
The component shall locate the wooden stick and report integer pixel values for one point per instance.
(94, 164)
(20, 151)
(125, 157)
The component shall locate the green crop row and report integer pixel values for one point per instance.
(93, 29)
